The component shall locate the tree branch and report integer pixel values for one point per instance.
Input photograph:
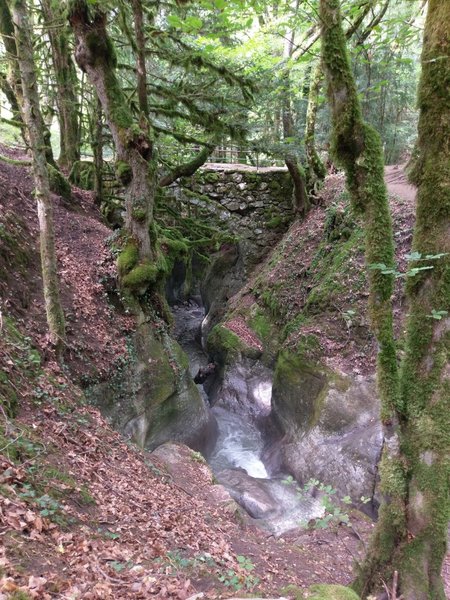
(188, 168)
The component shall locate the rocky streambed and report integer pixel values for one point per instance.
(242, 410)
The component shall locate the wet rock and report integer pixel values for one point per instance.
(245, 387)
(249, 492)
(331, 427)
(153, 398)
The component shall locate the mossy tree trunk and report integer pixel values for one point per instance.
(137, 162)
(316, 168)
(96, 129)
(10, 41)
(34, 122)
(357, 147)
(66, 83)
(137, 165)
(13, 82)
(425, 377)
(410, 536)
(141, 67)
(291, 159)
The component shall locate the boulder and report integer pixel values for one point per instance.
(152, 398)
(330, 427)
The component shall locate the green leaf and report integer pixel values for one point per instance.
(413, 256)
(174, 21)
(193, 22)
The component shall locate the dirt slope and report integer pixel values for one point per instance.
(82, 513)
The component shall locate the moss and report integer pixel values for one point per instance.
(123, 172)
(127, 259)
(82, 174)
(293, 591)
(261, 326)
(211, 177)
(58, 183)
(139, 214)
(331, 592)
(328, 267)
(141, 276)
(223, 344)
(86, 498)
(275, 222)
(19, 595)
(101, 48)
(270, 301)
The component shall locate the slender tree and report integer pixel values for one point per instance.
(66, 82)
(11, 82)
(35, 126)
(316, 168)
(410, 536)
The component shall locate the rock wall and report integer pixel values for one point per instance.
(255, 206)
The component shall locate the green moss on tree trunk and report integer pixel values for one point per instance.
(410, 536)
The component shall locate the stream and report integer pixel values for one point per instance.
(243, 400)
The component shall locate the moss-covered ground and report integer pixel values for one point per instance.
(310, 295)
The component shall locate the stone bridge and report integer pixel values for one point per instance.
(253, 205)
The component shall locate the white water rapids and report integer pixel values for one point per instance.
(236, 458)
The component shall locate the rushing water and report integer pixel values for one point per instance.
(236, 458)
(239, 445)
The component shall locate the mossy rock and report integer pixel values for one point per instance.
(127, 259)
(299, 388)
(293, 591)
(211, 177)
(226, 347)
(331, 592)
(58, 183)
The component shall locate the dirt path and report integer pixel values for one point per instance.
(397, 183)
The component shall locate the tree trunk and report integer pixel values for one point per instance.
(97, 150)
(316, 168)
(11, 98)
(301, 200)
(34, 122)
(410, 536)
(357, 148)
(136, 156)
(140, 62)
(66, 83)
(13, 82)
(425, 370)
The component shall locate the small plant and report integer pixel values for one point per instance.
(349, 316)
(412, 271)
(197, 457)
(242, 579)
(438, 314)
(333, 512)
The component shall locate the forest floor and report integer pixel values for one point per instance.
(83, 513)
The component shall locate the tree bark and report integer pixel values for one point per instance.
(95, 55)
(96, 130)
(410, 536)
(140, 58)
(316, 168)
(66, 83)
(425, 376)
(357, 147)
(301, 200)
(13, 82)
(34, 122)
